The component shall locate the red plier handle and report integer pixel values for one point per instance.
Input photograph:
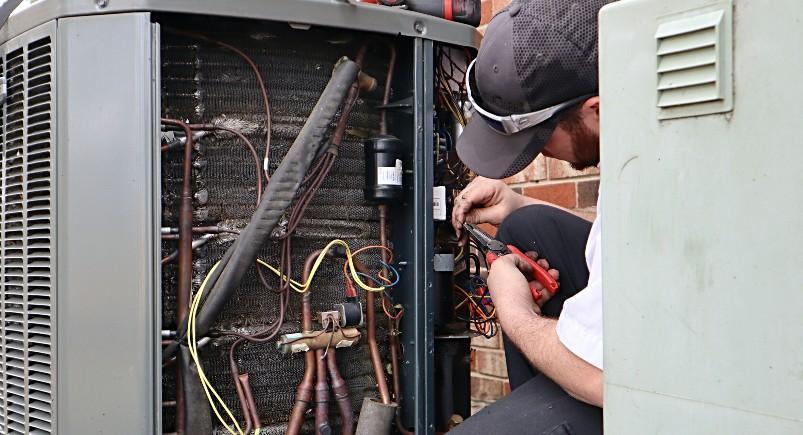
(539, 273)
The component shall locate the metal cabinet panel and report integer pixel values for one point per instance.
(107, 378)
(701, 240)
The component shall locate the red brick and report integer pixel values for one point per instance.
(587, 193)
(494, 342)
(562, 194)
(506, 388)
(486, 389)
(490, 363)
(536, 171)
(589, 213)
(558, 169)
(487, 11)
(499, 4)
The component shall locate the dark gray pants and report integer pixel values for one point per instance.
(537, 405)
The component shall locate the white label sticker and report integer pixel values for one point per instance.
(390, 175)
(439, 203)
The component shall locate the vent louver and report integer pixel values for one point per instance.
(693, 63)
(26, 241)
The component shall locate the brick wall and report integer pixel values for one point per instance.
(547, 179)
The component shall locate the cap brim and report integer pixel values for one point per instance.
(495, 155)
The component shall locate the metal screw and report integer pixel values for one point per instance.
(101, 3)
(418, 26)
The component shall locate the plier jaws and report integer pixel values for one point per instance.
(493, 249)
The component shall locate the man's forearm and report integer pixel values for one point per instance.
(537, 338)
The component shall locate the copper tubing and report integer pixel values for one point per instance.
(383, 122)
(341, 391)
(321, 394)
(252, 416)
(373, 347)
(305, 389)
(393, 330)
(238, 386)
(393, 339)
(394, 357)
(184, 285)
(263, 89)
(248, 144)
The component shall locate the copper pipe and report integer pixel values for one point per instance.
(263, 89)
(304, 342)
(393, 339)
(305, 389)
(251, 148)
(341, 391)
(383, 122)
(184, 285)
(393, 330)
(239, 387)
(253, 415)
(321, 395)
(373, 347)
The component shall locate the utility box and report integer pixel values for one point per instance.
(702, 207)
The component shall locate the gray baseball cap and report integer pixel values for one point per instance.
(538, 58)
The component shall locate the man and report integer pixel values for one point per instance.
(534, 90)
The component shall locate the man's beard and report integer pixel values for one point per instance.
(585, 142)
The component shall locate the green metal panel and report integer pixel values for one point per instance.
(701, 232)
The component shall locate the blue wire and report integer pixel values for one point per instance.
(365, 275)
(395, 272)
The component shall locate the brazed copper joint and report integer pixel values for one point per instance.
(321, 395)
(305, 388)
(315, 340)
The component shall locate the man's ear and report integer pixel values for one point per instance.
(591, 106)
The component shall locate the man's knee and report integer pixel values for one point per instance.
(527, 223)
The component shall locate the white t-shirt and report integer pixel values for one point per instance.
(580, 322)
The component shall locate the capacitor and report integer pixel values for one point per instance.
(383, 169)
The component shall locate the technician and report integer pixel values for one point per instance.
(534, 90)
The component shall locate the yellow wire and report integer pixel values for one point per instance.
(209, 390)
(459, 254)
(193, 345)
(305, 286)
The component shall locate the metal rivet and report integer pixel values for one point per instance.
(101, 3)
(418, 26)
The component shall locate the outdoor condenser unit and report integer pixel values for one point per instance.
(701, 206)
(90, 191)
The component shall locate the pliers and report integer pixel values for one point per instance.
(494, 249)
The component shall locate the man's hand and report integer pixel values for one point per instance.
(484, 201)
(509, 288)
(535, 335)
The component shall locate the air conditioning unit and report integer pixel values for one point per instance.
(701, 188)
(92, 177)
